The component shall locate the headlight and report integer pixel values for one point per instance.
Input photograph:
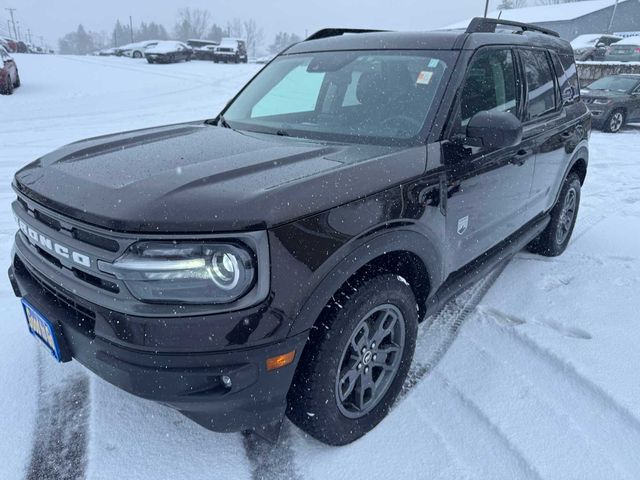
(602, 101)
(185, 273)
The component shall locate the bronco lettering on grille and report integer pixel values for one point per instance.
(52, 246)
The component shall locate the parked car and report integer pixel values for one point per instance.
(9, 44)
(614, 101)
(106, 52)
(264, 59)
(231, 50)
(352, 188)
(205, 53)
(9, 76)
(136, 50)
(200, 43)
(592, 47)
(626, 50)
(168, 52)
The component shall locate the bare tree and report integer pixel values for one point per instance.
(555, 2)
(509, 4)
(253, 35)
(192, 23)
(235, 28)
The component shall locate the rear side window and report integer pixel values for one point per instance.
(541, 85)
(490, 85)
(571, 72)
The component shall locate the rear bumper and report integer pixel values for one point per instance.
(189, 382)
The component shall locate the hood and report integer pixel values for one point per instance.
(200, 178)
(609, 94)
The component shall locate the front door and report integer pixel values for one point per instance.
(488, 190)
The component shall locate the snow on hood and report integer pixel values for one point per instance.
(165, 47)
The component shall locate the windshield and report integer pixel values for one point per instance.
(616, 84)
(370, 96)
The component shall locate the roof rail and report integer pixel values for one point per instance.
(336, 32)
(489, 25)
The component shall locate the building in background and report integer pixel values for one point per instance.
(576, 18)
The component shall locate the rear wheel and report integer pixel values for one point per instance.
(554, 239)
(356, 362)
(137, 55)
(615, 122)
(17, 82)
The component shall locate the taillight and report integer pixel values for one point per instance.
(637, 50)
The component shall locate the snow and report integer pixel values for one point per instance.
(545, 13)
(629, 41)
(531, 373)
(165, 47)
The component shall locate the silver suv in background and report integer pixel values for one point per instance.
(231, 50)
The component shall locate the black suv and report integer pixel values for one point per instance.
(278, 258)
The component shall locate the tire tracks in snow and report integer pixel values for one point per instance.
(59, 450)
(277, 462)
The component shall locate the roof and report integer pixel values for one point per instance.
(547, 13)
(438, 40)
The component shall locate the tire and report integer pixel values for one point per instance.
(137, 55)
(7, 88)
(554, 239)
(615, 122)
(17, 83)
(323, 406)
(149, 60)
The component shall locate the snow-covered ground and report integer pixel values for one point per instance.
(541, 380)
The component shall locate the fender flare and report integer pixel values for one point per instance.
(581, 153)
(344, 264)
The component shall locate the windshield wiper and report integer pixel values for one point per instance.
(219, 121)
(282, 133)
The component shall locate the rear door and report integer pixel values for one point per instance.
(488, 190)
(548, 123)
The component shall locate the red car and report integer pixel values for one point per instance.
(9, 77)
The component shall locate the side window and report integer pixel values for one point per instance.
(541, 87)
(571, 72)
(567, 92)
(491, 84)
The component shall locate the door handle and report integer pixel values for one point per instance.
(521, 157)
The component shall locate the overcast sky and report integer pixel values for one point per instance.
(54, 18)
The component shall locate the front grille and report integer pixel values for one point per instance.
(82, 314)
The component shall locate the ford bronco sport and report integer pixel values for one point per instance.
(278, 258)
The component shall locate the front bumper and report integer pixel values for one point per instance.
(189, 382)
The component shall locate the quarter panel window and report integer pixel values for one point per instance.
(541, 87)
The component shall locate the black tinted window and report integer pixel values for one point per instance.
(490, 85)
(541, 97)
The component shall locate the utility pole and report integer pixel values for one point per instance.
(613, 16)
(131, 27)
(29, 35)
(486, 8)
(15, 32)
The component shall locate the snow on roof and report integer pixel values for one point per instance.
(546, 13)
(629, 41)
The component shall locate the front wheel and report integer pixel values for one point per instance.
(7, 88)
(554, 239)
(17, 83)
(137, 55)
(615, 122)
(356, 362)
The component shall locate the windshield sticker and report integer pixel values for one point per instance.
(433, 63)
(424, 78)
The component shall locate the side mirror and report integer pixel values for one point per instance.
(495, 129)
(600, 45)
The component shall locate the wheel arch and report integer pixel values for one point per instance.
(404, 252)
